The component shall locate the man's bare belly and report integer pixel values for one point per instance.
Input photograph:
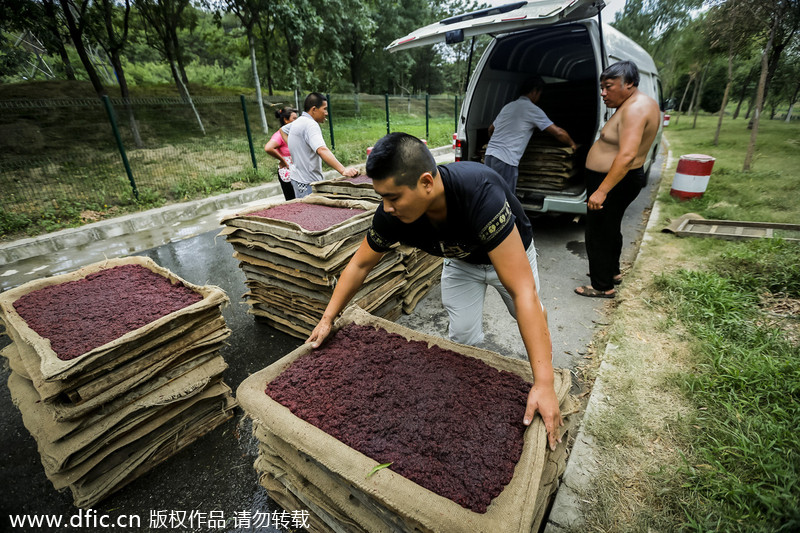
(601, 156)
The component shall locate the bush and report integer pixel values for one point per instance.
(12, 222)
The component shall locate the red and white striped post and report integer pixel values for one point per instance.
(691, 176)
(666, 120)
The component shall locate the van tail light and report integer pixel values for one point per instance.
(458, 146)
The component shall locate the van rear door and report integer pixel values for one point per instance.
(501, 19)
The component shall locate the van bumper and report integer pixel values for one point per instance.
(554, 204)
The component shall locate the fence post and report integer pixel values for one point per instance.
(249, 135)
(388, 129)
(427, 116)
(330, 121)
(112, 118)
(455, 114)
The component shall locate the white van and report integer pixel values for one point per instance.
(565, 43)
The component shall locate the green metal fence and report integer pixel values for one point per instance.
(61, 163)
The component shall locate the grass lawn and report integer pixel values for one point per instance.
(767, 193)
(60, 166)
(702, 360)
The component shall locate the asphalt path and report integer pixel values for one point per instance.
(216, 474)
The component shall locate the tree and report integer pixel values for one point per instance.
(164, 18)
(783, 17)
(54, 38)
(113, 40)
(730, 27)
(653, 23)
(789, 79)
(248, 12)
(300, 25)
(782, 31)
(76, 17)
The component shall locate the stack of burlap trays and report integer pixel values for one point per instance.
(546, 164)
(106, 416)
(291, 271)
(423, 271)
(303, 467)
(344, 188)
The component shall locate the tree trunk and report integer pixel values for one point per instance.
(176, 52)
(699, 96)
(252, 42)
(76, 34)
(186, 94)
(694, 97)
(742, 95)
(725, 95)
(791, 103)
(686, 90)
(116, 61)
(52, 24)
(751, 147)
(750, 107)
(267, 52)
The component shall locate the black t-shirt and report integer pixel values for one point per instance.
(481, 213)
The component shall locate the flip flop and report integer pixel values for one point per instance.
(591, 292)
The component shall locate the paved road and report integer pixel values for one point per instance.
(216, 473)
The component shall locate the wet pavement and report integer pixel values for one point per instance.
(216, 473)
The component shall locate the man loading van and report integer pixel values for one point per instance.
(512, 129)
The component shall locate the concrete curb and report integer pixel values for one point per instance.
(168, 215)
(567, 512)
(127, 224)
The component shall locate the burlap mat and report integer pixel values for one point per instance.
(130, 462)
(63, 445)
(290, 230)
(50, 366)
(280, 245)
(513, 510)
(122, 356)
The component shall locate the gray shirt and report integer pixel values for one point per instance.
(305, 138)
(513, 128)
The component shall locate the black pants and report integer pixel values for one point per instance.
(286, 187)
(603, 226)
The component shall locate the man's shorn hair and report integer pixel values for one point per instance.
(313, 100)
(400, 156)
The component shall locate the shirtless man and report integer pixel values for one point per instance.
(615, 174)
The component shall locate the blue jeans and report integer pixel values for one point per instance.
(463, 292)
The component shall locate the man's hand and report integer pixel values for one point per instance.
(596, 200)
(543, 399)
(320, 333)
(350, 172)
